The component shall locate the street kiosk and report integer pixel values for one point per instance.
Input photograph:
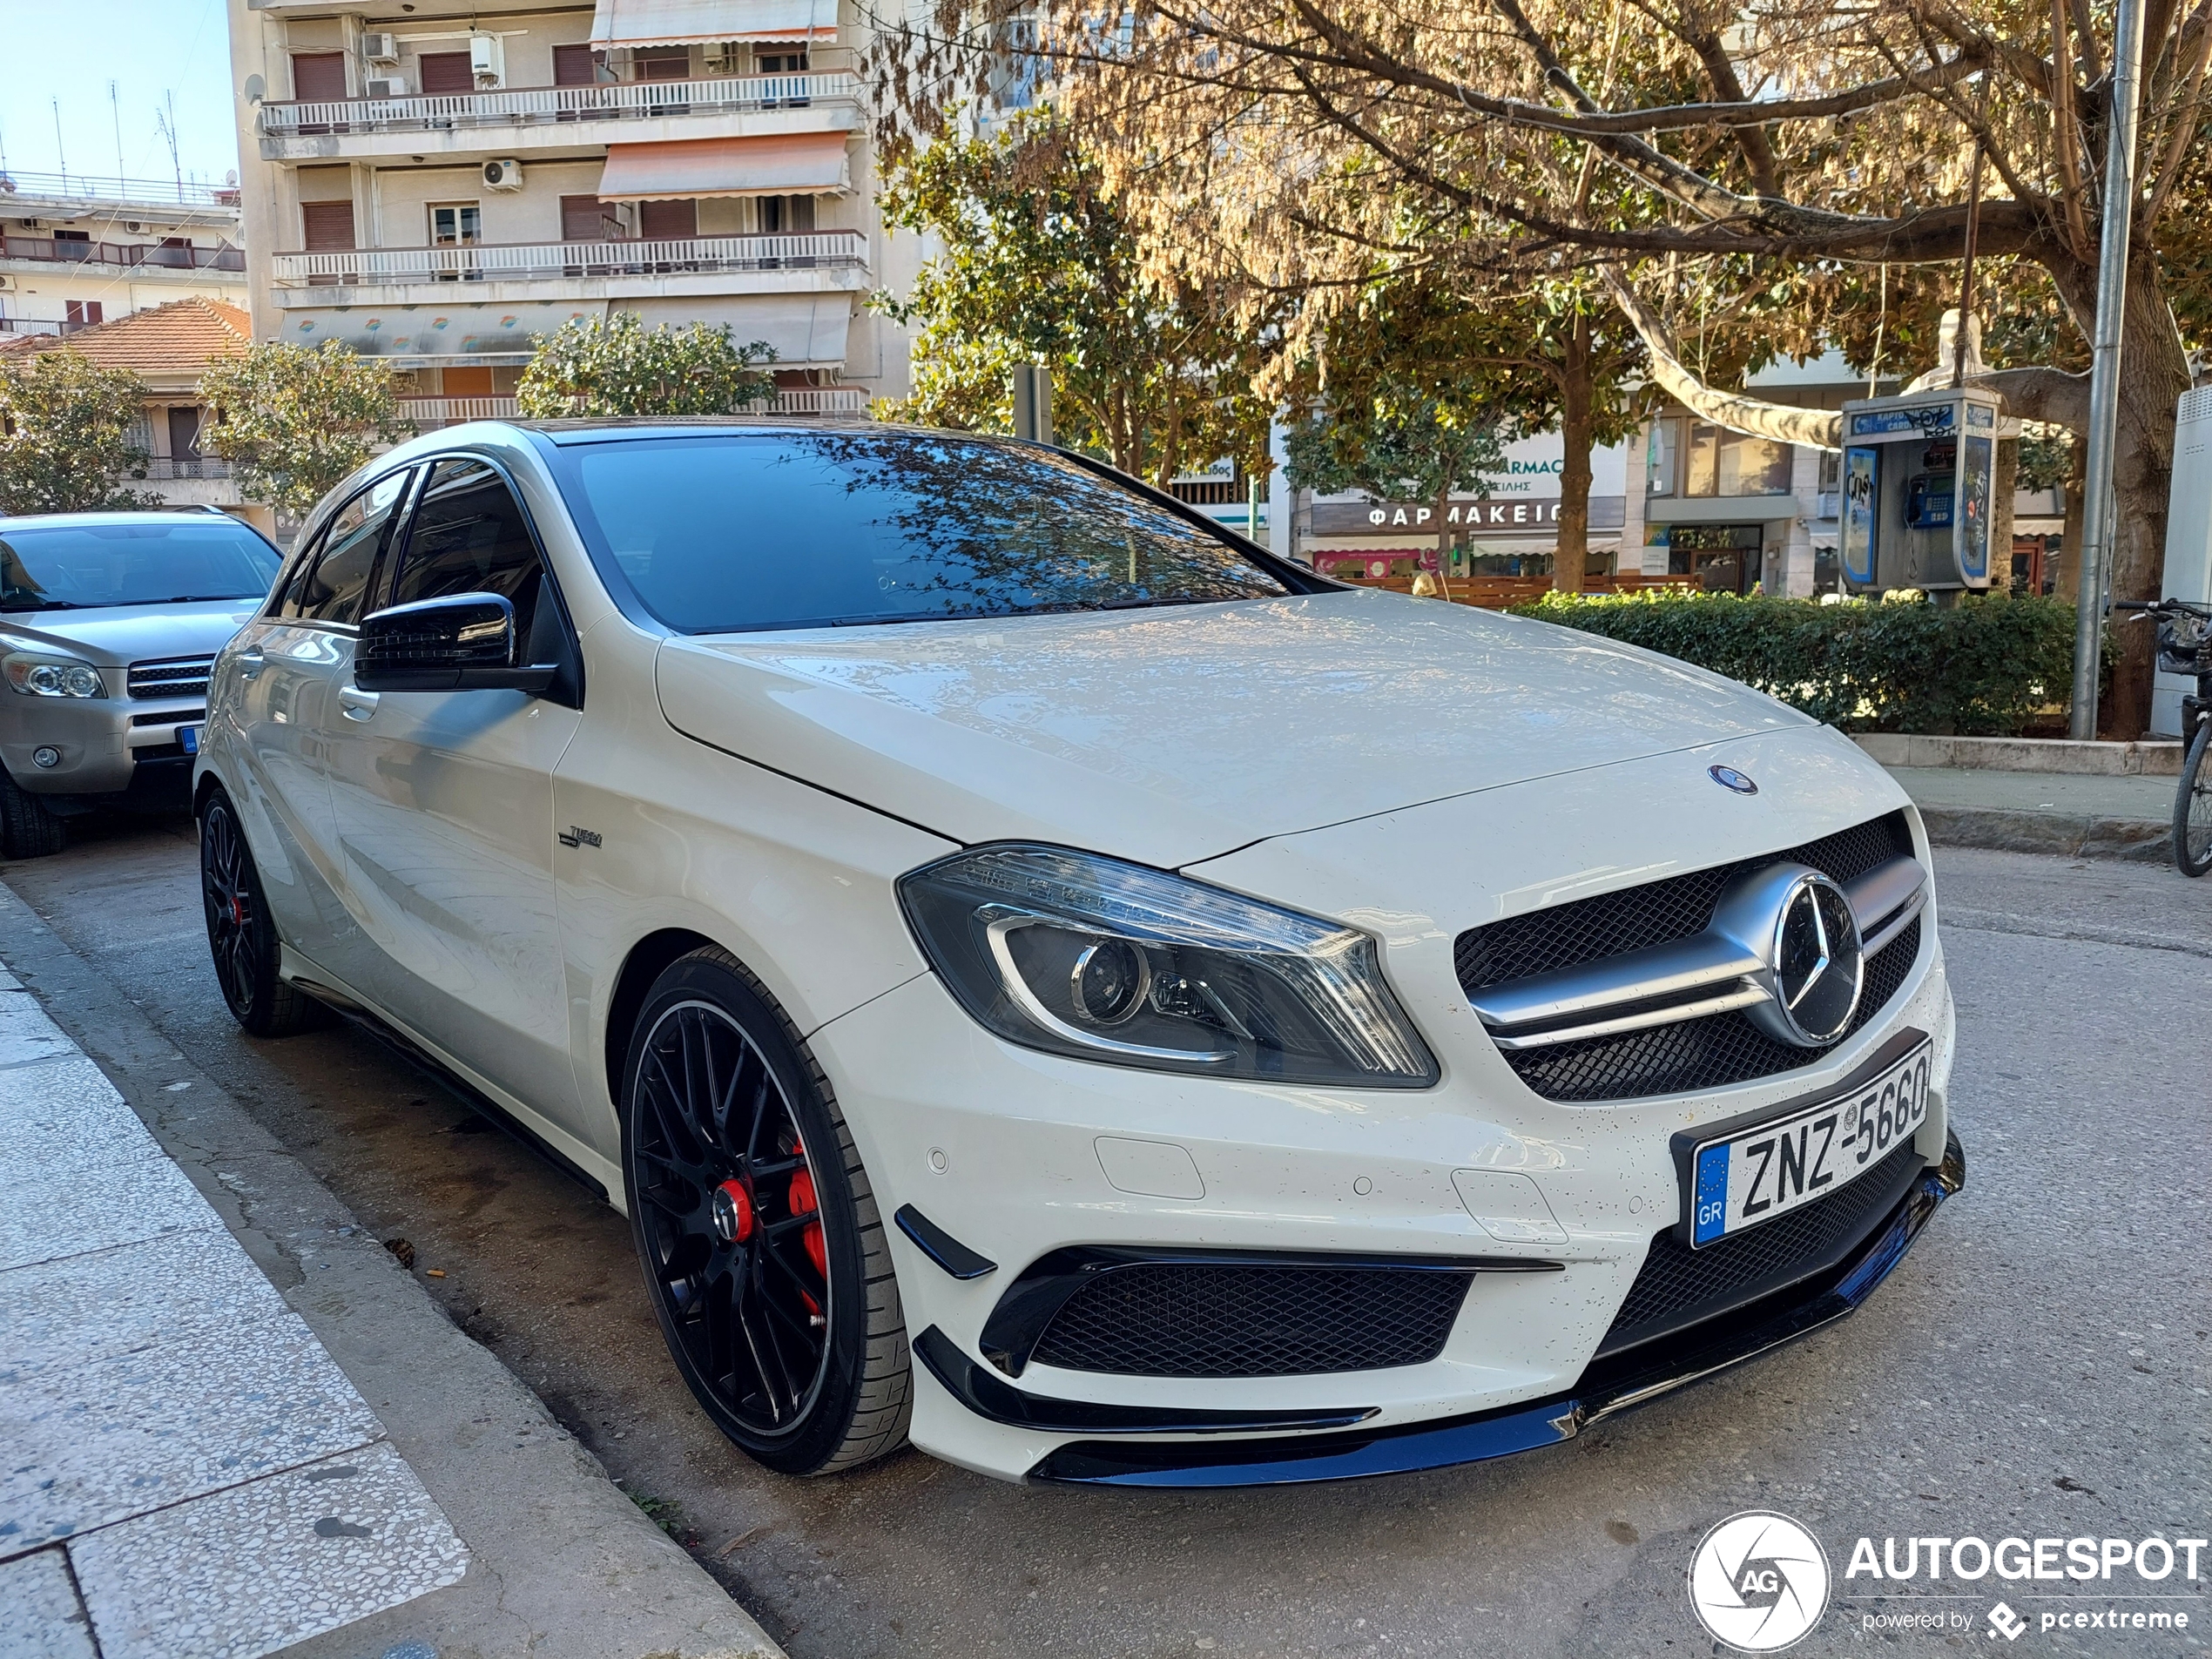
(1918, 478)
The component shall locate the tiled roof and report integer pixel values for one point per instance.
(183, 334)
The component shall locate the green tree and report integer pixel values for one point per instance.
(291, 422)
(615, 365)
(1039, 266)
(65, 434)
(1393, 441)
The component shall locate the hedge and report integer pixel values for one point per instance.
(1983, 667)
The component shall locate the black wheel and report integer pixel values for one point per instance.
(241, 936)
(29, 828)
(757, 1229)
(2193, 806)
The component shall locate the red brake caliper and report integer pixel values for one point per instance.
(805, 1202)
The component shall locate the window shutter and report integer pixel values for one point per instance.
(327, 226)
(318, 75)
(668, 218)
(447, 73)
(575, 66)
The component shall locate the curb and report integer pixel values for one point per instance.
(2070, 834)
(563, 1564)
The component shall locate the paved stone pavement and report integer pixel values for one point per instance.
(187, 1473)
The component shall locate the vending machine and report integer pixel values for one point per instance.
(1919, 474)
(2188, 540)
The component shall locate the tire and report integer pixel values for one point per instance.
(763, 1250)
(241, 934)
(29, 828)
(2193, 806)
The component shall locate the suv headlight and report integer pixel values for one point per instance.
(44, 674)
(1088, 956)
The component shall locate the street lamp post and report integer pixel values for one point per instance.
(2097, 507)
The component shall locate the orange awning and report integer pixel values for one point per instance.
(796, 164)
(683, 23)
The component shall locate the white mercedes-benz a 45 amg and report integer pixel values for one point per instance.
(1049, 981)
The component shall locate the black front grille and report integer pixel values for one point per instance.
(1709, 1053)
(1181, 1320)
(170, 677)
(170, 716)
(1679, 1286)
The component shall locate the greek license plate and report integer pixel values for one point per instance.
(1754, 1175)
(188, 739)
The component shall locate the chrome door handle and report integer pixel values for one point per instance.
(357, 705)
(251, 661)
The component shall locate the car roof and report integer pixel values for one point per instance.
(603, 429)
(182, 516)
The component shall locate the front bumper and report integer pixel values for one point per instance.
(108, 746)
(1604, 1391)
(1000, 1148)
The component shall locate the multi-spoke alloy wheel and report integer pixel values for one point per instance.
(241, 935)
(759, 1236)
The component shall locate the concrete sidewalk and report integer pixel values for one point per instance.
(2121, 816)
(234, 1425)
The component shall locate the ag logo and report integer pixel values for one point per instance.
(1759, 1582)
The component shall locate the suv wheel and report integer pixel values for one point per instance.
(241, 935)
(29, 828)
(758, 1231)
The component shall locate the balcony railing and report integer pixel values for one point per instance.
(849, 403)
(163, 467)
(130, 255)
(40, 325)
(77, 186)
(657, 256)
(429, 412)
(523, 105)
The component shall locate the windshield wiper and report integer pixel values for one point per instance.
(45, 605)
(195, 598)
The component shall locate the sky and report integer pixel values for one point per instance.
(147, 48)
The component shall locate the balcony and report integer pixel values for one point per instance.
(523, 118)
(130, 256)
(500, 272)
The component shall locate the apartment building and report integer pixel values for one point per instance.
(440, 187)
(77, 252)
(168, 347)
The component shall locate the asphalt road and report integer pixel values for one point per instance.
(2036, 1367)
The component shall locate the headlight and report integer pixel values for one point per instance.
(1088, 956)
(38, 674)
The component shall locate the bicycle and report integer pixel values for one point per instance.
(2185, 647)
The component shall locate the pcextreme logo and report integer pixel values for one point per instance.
(1759, 1582)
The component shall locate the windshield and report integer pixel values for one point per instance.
(808, 529)
(76, 567)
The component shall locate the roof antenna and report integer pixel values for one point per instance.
(167, 124)
(115, 112)
(61, 153)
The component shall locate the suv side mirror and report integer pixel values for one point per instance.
(458, 642)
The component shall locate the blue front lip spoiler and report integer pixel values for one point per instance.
(1606, 1389)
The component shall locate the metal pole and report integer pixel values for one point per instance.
(2097, 507)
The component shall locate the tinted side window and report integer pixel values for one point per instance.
(469, 537)
(333, 588)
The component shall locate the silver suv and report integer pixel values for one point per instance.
(108, 623)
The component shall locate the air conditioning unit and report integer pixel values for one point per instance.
(381, 48)
(487, 60)
(384, 86)
(504, 174)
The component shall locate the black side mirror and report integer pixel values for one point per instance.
(460, 642)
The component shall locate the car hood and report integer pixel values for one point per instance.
(115, 636)
(1174, 734)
